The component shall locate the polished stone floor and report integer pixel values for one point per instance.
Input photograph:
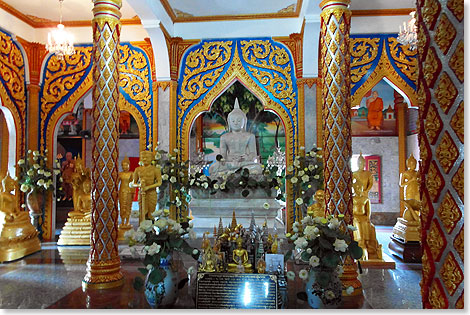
(52, 278)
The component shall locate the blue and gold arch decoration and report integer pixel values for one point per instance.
(378, 56)
(66, 81)
(13, 85)
(263, 65)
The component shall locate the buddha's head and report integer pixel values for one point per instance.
(8, 183)
(361, 162)
(236, 118)
(125, 164)
(411, 163)
(239, 242)
(87, 186)
(146, 157)
(79, 167)
(319, 196)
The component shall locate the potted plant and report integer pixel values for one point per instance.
(160, 238)
(36, 179)
(323, 243)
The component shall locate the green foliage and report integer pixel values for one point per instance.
(138, 283)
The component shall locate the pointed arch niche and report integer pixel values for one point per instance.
(262, 65)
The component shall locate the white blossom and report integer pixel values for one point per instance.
(205, 185)
(149, 267)
(299, 201)
(40, 182)
(334, 223)
(30, 172)
(24, 188)
(311, 232)
(301, 173)
(20, 162)
(153, 249)
(266, 206)
(301, 243)
(309, 250)
(303, 274)
(139, 236)
(330, 295)
(314, 261)
(351, 227)
(294, 180)
(130, 234)
(195, 251)
(340, 245)
(191, 270)
(36, 166)
(290, 275)
(165, 177)
(172, 179)
(161, 223)
(349, 290)
(146, 225)
(305, 178)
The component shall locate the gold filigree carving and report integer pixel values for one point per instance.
(445, 33)
(182, 14)
(458, 181)
(133, 77)
(447, 152)
(202, 69)
(457, 60)
(445, 92)
(433, 124)
(460, 302)
(457, 8)
(288, 9)
(276, 78)
(426, 267)
(363, 52)
(429, 12)
(405, 58)
(436, 296)
(434, 182)
(451, 274)
(459, 243)
(431, 67)
(449, 212)
(435, 241)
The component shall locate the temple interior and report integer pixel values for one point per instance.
(197, 154)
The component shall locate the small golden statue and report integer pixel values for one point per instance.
(365, 234)
(77, 229)
(275, 245)
(261, 266)
(318, 209)
(209, 260)
(407, 228)
(18, 237)
(240, 258)
(126, 195)
(147, 177)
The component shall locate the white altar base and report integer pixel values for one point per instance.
(208, 211)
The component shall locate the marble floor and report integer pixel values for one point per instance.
(52, 278)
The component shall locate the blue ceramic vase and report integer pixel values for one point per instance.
(162, 294)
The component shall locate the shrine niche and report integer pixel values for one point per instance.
(264, 66)
(68, 81)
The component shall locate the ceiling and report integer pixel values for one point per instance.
(209, 8)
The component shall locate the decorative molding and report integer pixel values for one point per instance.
(383, 12)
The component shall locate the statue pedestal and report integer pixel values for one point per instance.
(18, 237)
(407, 231)
(409, 252)
(77, 231)
(207, 209)
(123, 229)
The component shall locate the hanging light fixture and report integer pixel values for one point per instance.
(59, 41)
(408, 35)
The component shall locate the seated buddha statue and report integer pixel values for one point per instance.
(318, 209)
(240, 258)
(237, 147)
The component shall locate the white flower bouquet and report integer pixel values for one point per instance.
(160, 236)
(34, 173)
(323, 243)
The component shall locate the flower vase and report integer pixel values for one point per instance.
(327, 301)
(34, 203)
(164, 293)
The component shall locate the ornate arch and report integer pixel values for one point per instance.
(378, 56)
(13, 86)
(263, 65)
(67, 81)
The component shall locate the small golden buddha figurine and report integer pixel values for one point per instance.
(209, 261)
(147, 177)
(318, 209)
(275, 245)
(261, 266)
(18, 237)
(407, 227)
(77, 229)
(240, 258)
(365, 234)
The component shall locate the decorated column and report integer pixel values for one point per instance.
(441, 137)
(104, 265)
(335, 69)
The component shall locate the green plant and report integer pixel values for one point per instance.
(324, 243)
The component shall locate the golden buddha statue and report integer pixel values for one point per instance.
(18, 237)
(407, 227)
(77, 229)
(147, 177)
(274, 246)
(261, 266)
(240, 258)
(209, 260)
(126, 195)
(365, 234)
(317, 209)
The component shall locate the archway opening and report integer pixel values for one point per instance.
(7, 142)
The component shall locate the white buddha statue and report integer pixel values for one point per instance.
(237, 146)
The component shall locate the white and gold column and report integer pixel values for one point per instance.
(104, 265)
(335, 57)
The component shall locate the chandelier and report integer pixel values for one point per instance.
(59, 41)
(408, 35)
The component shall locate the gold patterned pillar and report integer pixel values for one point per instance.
(104, 265)
(335, 68)
(441, 137)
